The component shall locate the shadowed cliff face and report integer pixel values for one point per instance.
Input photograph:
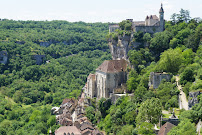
(119, 49)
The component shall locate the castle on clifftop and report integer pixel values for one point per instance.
(152, 24)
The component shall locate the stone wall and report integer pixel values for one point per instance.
(113, 27)
(156, 78)
(91, 89)
(148, 29)
(100, 84)
(107, 82)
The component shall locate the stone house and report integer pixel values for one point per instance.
(108, 76)
(155, 78)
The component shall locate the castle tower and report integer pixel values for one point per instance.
(161, 17)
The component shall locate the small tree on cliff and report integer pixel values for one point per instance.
(125, 25)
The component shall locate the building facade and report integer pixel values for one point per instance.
(108, 76)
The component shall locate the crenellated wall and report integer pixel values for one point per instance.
(148, 29)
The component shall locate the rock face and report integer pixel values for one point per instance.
(193, 98)
(45, 44)
(39, 59)
(3, 57)
(155, 78)
(119, 49)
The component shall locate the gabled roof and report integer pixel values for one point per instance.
(153, 17)
(113, 66)
(67, 129)
(165, 128)
(86, 126)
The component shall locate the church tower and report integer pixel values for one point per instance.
(161, 17)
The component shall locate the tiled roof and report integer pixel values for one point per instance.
(165, 128)
(153, 17)
(86, 126)
(113, 66)
(86, 131)
(67, 129)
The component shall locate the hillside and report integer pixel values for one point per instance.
(72, 51)
(44, 62)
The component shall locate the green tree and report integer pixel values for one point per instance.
(160, 42)
(126, 130)
(187, 76)
(149, 111)
(170, 61)
(145, 128)
(185, 127)
(90, 113)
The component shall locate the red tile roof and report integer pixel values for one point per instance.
(113, 66)
(165, 128)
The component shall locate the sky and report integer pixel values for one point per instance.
(94, 10)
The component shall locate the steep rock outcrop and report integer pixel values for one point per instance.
(193, 98)
(119, 48)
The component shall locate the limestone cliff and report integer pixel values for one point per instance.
(193, 98)
(119, 48)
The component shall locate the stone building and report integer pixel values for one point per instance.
(152, 23)
(155, 78)
(108, 76)
(91, 86)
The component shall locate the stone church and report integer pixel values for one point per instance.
(152, 24)
(108, 76)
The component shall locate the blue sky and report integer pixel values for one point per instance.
(94, 10)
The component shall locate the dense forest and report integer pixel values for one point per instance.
(28, 91)
(72, 51)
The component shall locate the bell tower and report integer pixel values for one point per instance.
(161, 18)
